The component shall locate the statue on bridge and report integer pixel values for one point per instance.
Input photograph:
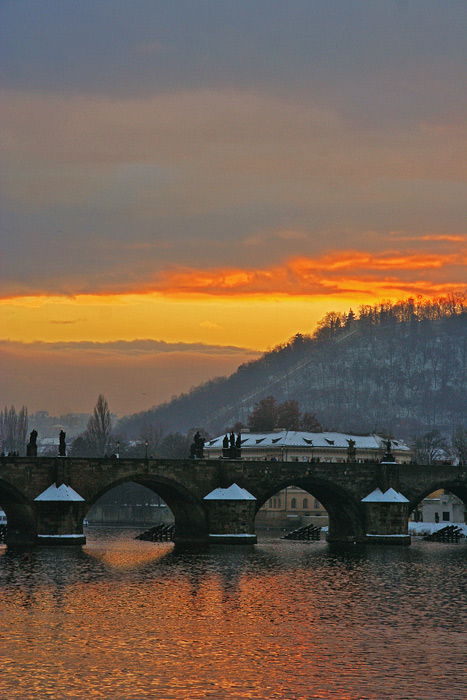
(31, 447)
(232, 446)
(197, 447)
(351, 451)
(62, 444)
(388, 456)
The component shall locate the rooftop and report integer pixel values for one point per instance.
(296, 438)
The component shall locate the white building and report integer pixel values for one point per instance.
(447, 508)
(300, 446)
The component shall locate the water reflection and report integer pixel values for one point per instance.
(121, 618)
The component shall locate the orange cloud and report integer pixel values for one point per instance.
(369, 274)
(372, 274)
(449, 238)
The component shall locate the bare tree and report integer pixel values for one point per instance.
(175, 446)
(13, 429)
(151, 439)
(97, 434)
(459, 444)
(430, 448)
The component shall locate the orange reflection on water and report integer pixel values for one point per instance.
(134, 620)
(118, 556)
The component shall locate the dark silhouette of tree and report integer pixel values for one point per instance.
(264, 415)
(310, 423)
(13, 429)
(268, 415)
(80, 447)
(331, 324)
(97, 434)
(350, 319)
(288, 415)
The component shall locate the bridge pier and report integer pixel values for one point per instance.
(345, 524)
(60, 513)
(387, 517)
(231, 516)
(21, 526)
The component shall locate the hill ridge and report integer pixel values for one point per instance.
(394, 368)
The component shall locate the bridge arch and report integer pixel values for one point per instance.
(459, 489)
(188, 510)
(21, 518)
(346, 515)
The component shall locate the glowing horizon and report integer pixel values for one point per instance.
(234, 306)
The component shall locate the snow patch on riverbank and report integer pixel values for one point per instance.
(422, 529)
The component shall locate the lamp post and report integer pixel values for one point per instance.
(146, 453)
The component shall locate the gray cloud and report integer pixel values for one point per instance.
(139, 134)
(127, 347)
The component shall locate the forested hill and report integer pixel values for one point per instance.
(400, 368)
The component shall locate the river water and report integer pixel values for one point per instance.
(125, 619)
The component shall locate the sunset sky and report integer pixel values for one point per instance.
(185, 184)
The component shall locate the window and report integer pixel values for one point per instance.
(446, 516)
(293, 503)
(305, 503)
(317, 504)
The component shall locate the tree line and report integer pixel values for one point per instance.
(101, 439)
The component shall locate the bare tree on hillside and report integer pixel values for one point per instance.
(97, 434)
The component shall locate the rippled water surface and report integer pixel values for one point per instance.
(126, 619)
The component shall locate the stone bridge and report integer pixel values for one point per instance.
(183, 485)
